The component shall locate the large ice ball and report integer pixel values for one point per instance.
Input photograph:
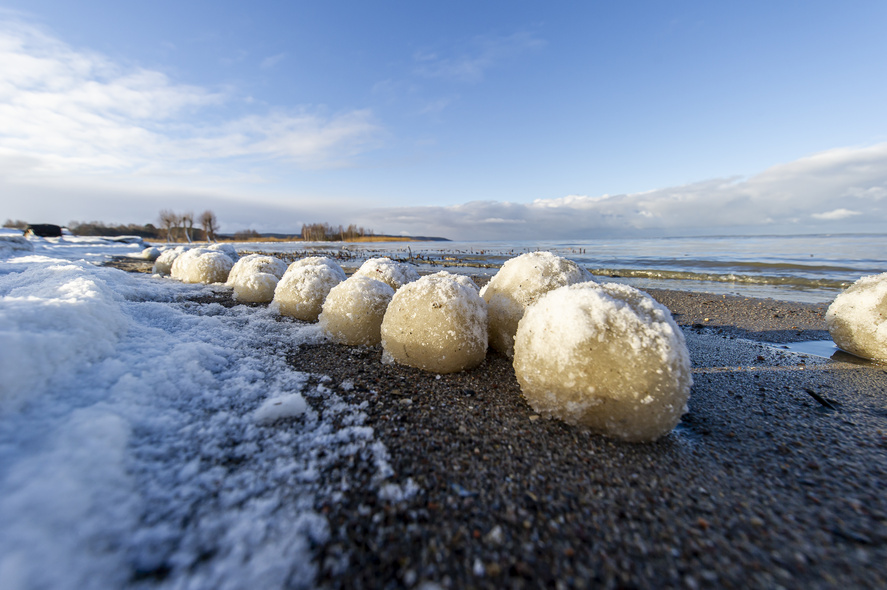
(254, 278)
(857, 318)
(437, 323)
(304, 287)
(201, 266)
(519, 283)
(607, 357)
(394, 274)
(353, 311)
(163, 263)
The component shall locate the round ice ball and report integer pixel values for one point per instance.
(254, 278)
(314, 260)
(857, 318)
(201, 266)
(353, 311)
(163, 263)
(518, 284)
(437, 323)
(229, 250)
(303, 289)
(392, 273)
(607, 357)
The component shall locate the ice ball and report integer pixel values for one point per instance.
(353, 311)
(227, 249)
(607, 357)
(163, 263)
(519, 283)
(394, 274)
(857, 318)
(304, 287)
(314, 260)
(201, 266)
(437, 323)
(254, 278)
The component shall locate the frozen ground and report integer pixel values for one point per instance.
(148, 440)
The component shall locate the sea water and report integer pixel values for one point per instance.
(808, 268)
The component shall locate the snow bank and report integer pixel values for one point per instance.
(303, 289)
(392, 273)
(857, 318)
(14, 244)
(143, 437)
(254, 278)
(607, 357)
(438, 323)
(517, 285)
(353, 311)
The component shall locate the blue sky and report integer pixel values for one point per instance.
(463, 119)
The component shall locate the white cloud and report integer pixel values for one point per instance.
(471, 61)
(836, 214)
(271, 61)
(781, 198)
(69, 111)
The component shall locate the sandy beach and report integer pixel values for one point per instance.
(773, 479)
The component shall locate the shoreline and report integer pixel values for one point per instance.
(773, 478)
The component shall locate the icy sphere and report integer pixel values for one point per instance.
(857, 318)
(437, 323)
(201, 266)
(254, 278)
(226, 249)
(163, 264)
(607, 357)
(519, 283)
(313, 260)
(353, 311)
(304, 287)
(392, 273)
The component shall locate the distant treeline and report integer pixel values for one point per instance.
(324, 232)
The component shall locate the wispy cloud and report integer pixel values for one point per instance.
(64, 110)
(271, 61)
(797, 196)
(470, 62)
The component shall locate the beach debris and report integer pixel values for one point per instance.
(438, 324)
(392, 273)
(254, 278)
(304, 286)
(353, 311)
(163, 263)
(607, 357)
(857, 318)
(823, 401)
(518, 284)
(201, 265)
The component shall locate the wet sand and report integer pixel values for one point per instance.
(775, 477)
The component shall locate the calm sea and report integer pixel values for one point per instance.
(810, 268)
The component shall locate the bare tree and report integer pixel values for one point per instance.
(210, 225)
(168, 221)
(187, 220)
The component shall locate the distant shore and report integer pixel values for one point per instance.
(774, 477)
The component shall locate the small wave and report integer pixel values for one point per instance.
(794, 282)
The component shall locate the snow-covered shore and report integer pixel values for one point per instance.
(145, 438)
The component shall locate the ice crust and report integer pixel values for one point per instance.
(437, 323)
(304, 287)
(254, 278)
(857, 318)
(392, 273)
(201, 265)
(518, 284)
(353, 311)
(607, 357)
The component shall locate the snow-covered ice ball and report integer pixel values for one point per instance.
(254, 278)
(607, 357)
(201, 266)
(353, 311)
(227, 249)
(519, 283)
(151, 254)
(313, 260)
(304, 287)
(857, 318)
(392, 273)
(437, 323)
(163, 263)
